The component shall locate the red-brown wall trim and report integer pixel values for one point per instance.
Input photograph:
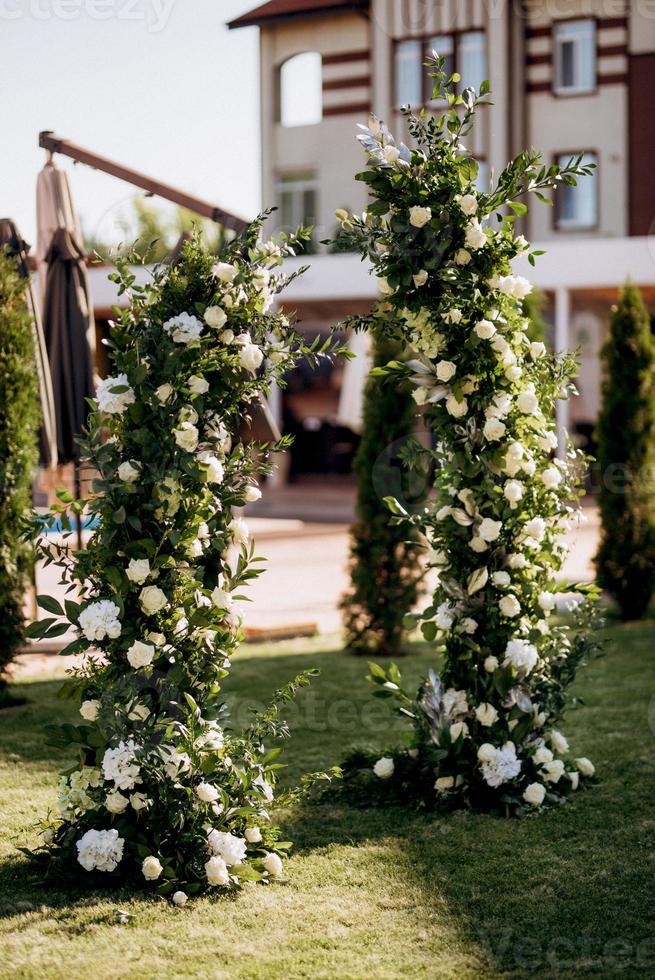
(346, 109)
(342, 57)
(330, 84)
(620, 78)
(641, 143)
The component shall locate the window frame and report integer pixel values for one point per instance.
(300, 183)
(567, 227)
(278, 101)
(576, 90)
(427, 47)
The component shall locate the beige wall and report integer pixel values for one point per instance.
(328, 148)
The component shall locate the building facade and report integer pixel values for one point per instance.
(567, 76)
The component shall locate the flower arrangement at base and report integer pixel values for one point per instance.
(163, 793)
(484, 731)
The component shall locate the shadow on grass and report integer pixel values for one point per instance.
(566, 893)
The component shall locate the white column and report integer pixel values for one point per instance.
(562, 319)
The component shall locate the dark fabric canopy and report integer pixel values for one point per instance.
(66, 318)
(12, 242)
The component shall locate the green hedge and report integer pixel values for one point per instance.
(626, 453)
(19, 421)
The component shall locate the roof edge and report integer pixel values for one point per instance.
(249, 20)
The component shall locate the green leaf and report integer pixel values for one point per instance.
(49, 604)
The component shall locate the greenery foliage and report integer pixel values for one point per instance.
(484, 731)
(384, 568)
(19, 420)
(162, 790)
(626, 455)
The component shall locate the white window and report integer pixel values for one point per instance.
(296, 201)
(472, 59)
(575, 56)
(409, 73)
(300, 90)
(577, 207)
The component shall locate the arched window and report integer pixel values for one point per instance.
(300, 90)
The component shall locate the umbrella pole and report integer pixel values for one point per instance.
(78, 495)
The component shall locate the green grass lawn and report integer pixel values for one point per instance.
(371, 893)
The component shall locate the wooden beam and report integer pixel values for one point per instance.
(48, 141)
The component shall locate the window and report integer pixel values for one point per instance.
(472, 59)
(575, 57)
(296, 199)
(300, 90)
(577, 207)
(464, 53)
(409, 73)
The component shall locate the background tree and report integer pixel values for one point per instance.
(626, 454)
(385, 569)
(19, 420)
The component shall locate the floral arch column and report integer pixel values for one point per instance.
(485, 730)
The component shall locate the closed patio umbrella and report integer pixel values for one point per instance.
(12, 242)
(67, 313)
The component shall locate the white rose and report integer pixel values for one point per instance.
(453, 316)
(273, 864)
(586, 767)
(535, 528)
(152, 599)
(513, 492)
(486, 752)
(445, 370)
(224, 271)
(253, 835)
(138, 712)
(520, 654)
(164, 393)
(391, 153)
(553, 771)
(486, 715)
(494, 429)
(384, 768)
(140, 654)
(216, 871)
(478, 545)
(229, 847)
(548, 442)
(559, 743)
(184, 328)
(111, 401)
(151, 868)
(534, 794)
(186, 436)
(491, 664)
(468, 625)
(551, 478)
(115, 802)
(221, 599)
(527, 401)
(543, 755)
(251, 494)
(418, 216)
(180, 898)
(90, 710)
(462, 257)
(227, 336)
(484, 329)
(509, 606)
(215, 317)
(197, 385)
(206, 792)
(129, 471)
(475, 237)
(239, 530)
(420, 278)
(157, 638)
(459, 728)
(489, 529)
(138, 570)
(537, 350)
(468, 204)
(421, 395)
(250, 357)
(215, 469)
(384, 287)
(456, 408)
(547, 601)
(501, 579)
